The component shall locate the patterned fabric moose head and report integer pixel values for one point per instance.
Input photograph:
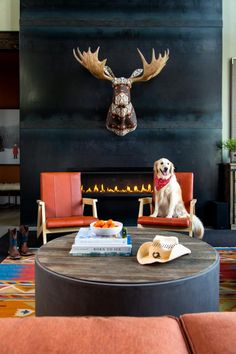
(121, 117)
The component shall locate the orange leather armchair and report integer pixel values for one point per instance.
(61, 206)
(185, 180)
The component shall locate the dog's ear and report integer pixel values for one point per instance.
(172, 168)
(155, 167)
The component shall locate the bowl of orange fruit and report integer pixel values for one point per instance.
(106, 227)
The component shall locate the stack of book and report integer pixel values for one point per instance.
(86, 243)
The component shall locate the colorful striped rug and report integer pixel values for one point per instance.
(17, 284)
(227, 278)
(17, 287)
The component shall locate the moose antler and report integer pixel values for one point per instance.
(91, 62)
(150, 70)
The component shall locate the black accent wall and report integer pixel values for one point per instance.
(64, 108)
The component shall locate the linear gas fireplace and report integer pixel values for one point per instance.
(103, 188)
(117, 182)
(117, 191)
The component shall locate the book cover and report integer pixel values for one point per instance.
(100, 254)
(104, 243)
(86, 237)
(89, 249)
(101, 250)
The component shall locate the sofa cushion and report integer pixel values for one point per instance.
(211, 333)
(92, 335)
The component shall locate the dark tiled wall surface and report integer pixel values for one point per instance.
(64, 108)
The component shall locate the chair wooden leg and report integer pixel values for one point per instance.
(39, 230)
(191, 231)
(39, 221)
(44, 237)
(139, 226)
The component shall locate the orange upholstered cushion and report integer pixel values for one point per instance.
(211, 333)
(173, 222)
(71, 221)
(91, 335)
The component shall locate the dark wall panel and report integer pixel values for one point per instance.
(188, 83)
(63, 107)
(9, 70)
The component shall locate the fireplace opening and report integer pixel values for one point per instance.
(117, 191)
(117, 182)
(103, 188)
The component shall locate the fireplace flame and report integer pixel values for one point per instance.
(128, 189)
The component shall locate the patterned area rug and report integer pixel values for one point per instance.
(17, 287)
(227, 278)
(17, 284)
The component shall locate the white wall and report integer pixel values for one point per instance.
(229, 51)
(9, 15)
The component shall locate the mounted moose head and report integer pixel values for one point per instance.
(121, 117)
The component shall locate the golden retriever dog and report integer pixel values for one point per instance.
(168, 195)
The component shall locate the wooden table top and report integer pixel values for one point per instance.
(54, 256)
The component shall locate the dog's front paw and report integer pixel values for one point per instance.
(154, 215)
(169, 216)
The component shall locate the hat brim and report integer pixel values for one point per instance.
(143, 256)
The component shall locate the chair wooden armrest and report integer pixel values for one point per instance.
(40, 202)
(91, 201)
(41, 221)
(142, 202)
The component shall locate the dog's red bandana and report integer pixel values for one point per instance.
(161, 182)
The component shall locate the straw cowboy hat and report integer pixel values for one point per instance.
(163, 249)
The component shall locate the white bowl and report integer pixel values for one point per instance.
(99, 231)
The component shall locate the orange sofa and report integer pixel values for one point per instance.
(202, 333)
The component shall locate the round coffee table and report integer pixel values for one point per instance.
(119, 286)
